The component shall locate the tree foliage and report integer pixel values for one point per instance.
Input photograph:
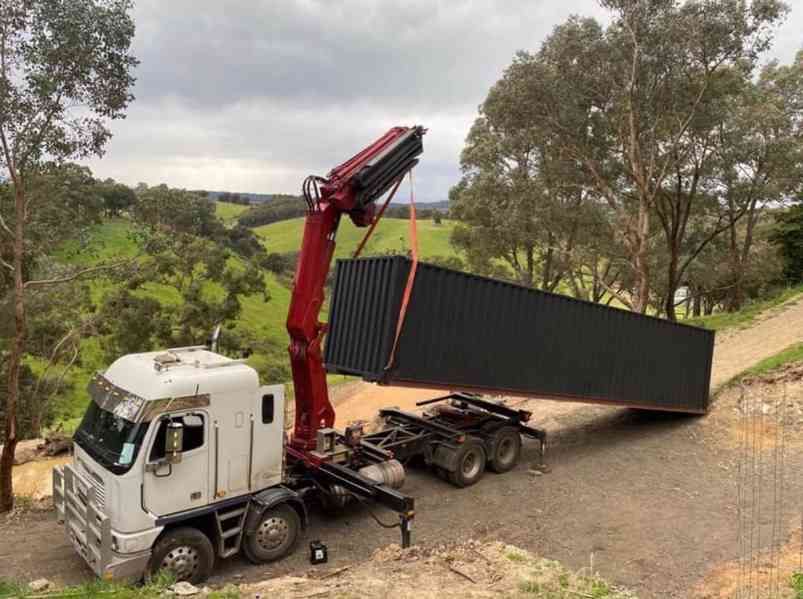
(185, 248)
(789, 237)
(65, 72)
(608, 160)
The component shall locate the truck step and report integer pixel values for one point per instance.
(231, 514)
(230, 527)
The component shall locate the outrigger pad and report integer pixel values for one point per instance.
(472, 333)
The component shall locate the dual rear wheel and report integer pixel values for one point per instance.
(500, 453)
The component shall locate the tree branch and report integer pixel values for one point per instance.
(77, 274)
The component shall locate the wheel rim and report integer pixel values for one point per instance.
(182, 561)
(272, 533)
(506, 451)
(471, 465)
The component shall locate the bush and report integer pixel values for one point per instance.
(788, 236)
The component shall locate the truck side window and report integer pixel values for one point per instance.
(193, 435)
(267, 409)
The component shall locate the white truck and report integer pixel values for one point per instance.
(172, 450)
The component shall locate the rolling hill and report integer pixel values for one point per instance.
(392, 234)
(113, 239)
(228, 212)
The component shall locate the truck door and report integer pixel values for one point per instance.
(170, 488)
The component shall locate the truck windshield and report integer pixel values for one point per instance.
(106, 434)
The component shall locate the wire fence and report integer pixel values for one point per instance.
(767, 558)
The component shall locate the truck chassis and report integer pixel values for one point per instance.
(458, 438)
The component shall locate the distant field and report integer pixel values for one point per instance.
(390, 234)
(227, 212)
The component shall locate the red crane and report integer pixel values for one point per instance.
(351, 188)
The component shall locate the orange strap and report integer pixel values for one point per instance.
(370, 230)
(408, 290)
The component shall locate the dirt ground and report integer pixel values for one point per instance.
(650, 501)
(469, 569)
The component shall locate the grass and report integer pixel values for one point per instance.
(797, 585)
(790, 355)
(744, 317)
(228, 212)
(547, 579)
(392, 234)
(156, 588)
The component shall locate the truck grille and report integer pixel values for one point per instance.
(97, 482)
(88, 528)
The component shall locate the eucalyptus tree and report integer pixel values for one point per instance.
(622, 107)
(760, 162)
(65, 72)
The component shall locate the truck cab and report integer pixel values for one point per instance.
(179, 460)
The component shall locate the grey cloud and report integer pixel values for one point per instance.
(252, 95)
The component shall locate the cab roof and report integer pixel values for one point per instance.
(180, 372)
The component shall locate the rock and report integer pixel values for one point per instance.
(40, 584)
(184, 589)
(26, 451)
(533, 472)
(206, 590)
(57, 444)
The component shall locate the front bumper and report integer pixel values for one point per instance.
(89, 528)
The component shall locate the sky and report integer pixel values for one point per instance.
(253, 96)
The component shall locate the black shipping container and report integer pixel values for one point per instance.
(468, 333)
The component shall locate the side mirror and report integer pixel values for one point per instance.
(174, 441)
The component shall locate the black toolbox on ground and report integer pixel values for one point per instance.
(464, 332)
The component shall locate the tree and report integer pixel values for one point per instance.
(621, 104)
(116, 197)
(761, 162)
(183, 247)
(788, 236)
(437, 217)
(54, 56)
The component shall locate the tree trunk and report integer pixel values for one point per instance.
(15, 358)
(696, 309)
(672, 284)
(640, 260)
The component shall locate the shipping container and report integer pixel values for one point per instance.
(470, 333)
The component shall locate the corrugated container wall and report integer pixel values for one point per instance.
(470, 333)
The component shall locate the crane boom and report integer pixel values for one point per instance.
(351, 188)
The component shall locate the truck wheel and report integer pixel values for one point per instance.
(272, 535)
(185, 552)
(506, 443)
(470, 461)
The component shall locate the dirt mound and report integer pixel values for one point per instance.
(469, 569)
(760, 405)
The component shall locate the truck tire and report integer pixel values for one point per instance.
(470, 463)
(186, 552)
(506, 449)
(272, 535)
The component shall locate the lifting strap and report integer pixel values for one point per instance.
(370, 230)
(408, 289)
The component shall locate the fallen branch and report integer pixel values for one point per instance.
(334, 573)
(463, 574)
